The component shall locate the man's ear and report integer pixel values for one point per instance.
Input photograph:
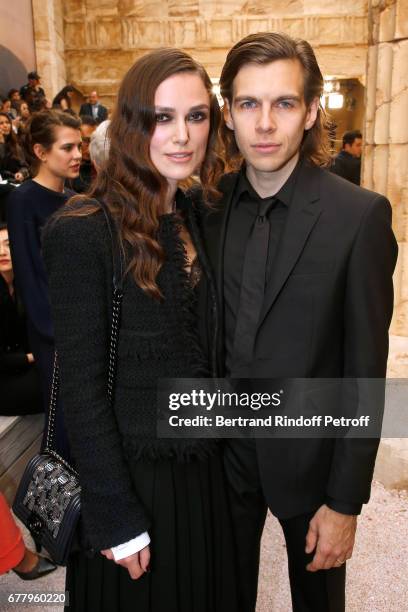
(312, 113)
(229, 122)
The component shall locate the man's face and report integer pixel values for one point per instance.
(93, 98)
(269, 114)
(356, 148)
(86, 132)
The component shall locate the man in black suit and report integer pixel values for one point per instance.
(304, 263)
(348, 162)
(94, 109)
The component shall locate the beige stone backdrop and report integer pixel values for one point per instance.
(99, 39)
(386, 134)
(49, 41)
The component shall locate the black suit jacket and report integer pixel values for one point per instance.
(326, 314)
(86, 109)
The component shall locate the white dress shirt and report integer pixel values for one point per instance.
(131, 547)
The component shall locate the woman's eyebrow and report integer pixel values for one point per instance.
(71, 144)
(168, 109)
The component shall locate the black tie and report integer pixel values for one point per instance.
(252, 285)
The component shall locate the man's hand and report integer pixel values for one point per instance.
(331, 535)
(136, 564)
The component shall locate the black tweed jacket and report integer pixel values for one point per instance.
(157, 340)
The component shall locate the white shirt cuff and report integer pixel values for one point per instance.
(131, 547)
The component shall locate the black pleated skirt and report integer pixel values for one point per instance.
(192, 547)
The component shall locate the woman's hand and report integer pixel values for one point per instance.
(136, 564)
(30, 358)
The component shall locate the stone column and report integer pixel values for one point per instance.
(386, 147)
(49, 44)
(386, 170)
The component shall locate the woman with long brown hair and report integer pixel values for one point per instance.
(53, 149)
(154, 510)
(12, 163)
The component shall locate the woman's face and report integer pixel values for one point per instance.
(6, 106)
(5, 125)
(24, 111)
(179, 141)
(64, 157)
(5, 257)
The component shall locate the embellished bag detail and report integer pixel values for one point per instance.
(48, 499)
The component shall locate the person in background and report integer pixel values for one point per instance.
(19, 379)
(32, 92)
(53, 148)
(94, 108)
(14, 97)
(7, 108)
(13, 553)
(13, 166)
(87, 171)
(348, 162)
(99, 145)
(20, 122)
(63, 99)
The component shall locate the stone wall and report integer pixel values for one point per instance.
(104, 37)
(386, 135)
(48, 24)
(386, 170)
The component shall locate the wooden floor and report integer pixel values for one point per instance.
(20, 439)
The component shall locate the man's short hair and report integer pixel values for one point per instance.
(350, 137)
(264, 48)
(88, 120)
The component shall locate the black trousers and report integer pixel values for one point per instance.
(321, 591)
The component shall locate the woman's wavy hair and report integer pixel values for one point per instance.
(264, 48)
(40, 129)
(12, 145)
(128, 182)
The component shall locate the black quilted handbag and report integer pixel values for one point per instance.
(48, 499)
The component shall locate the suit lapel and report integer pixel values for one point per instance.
(216, 229)
(304, 211)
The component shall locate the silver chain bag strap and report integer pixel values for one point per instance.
(48, 499)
